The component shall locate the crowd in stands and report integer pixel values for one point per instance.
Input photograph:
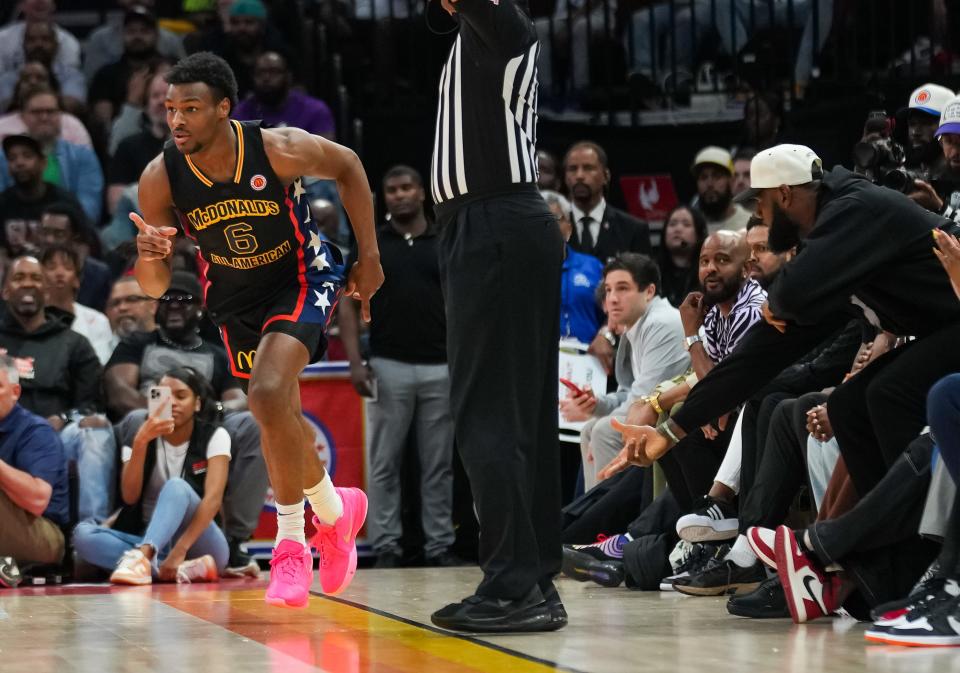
(781, 350)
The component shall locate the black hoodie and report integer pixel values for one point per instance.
(66, 371)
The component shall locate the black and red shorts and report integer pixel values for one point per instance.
(303, 312)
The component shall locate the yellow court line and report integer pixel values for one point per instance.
(342, 638)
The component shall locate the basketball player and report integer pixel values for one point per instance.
(501, 257)
(270, 284)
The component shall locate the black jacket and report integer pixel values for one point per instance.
(66, 372)
(619, 232)
(869, 242)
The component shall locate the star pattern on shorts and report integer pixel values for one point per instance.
(322, 302)
(320, 262)
(315, 242)
(298, 189)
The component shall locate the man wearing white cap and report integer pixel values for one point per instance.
(923, 153)
(860, 244)
(713, 169)
(946, 198)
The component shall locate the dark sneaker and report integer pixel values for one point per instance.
(932, 586)
(479, 614)
(689, 559)
(604, 549)
(720, 577)
(445, 559)
(714, 521)
(389, 559)
(10, 576)
(240, 563)
(810, 591)
(581, 566)
(558, 613)
(937, 627)
(767, 601)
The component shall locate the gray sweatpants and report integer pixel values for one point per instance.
(418, 396)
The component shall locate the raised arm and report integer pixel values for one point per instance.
(155, 230)
(293, 153)
(502, 26)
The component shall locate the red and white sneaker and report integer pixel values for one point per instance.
(291, 574)
(810, 592)
(337, 543)
(761, 542)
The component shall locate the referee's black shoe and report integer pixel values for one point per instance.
(481, 614)
(558, 613)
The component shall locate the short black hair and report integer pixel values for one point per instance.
(589, 145)
(206, 68)
(402, 170)
(51, 252)
(641, 268)
(74, 214)
(755, 221)
(745, 154)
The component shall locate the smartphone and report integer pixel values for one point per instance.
(571, 386)
(160, 403)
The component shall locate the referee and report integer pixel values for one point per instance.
(501, 256)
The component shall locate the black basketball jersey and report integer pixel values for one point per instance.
(251, 231)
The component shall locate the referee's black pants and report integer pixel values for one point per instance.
(500, 266)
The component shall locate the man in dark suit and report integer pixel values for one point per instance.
(599, 229)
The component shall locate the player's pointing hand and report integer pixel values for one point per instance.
(153, 243)
(363, 281)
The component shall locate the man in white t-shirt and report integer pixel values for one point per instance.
(60, 267)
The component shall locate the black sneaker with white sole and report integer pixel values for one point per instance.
(713, 522)
(936, 626)
(689, 559)
(720, 577)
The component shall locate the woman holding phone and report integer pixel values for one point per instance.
(175, 465)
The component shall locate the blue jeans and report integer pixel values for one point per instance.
(95, 452)
(176, 506)
(943, 414)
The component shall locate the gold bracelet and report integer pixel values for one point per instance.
(654, 401)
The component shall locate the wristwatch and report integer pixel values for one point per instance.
(690, 340)
(609, 336)
(654, 402)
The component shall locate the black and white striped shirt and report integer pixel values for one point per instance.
(722, 334)
(485, 139)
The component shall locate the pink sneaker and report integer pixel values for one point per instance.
(291, 574)
(337, 544)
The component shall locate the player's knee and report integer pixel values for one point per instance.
(269, 399)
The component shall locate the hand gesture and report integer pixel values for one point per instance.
(780, 325)
(153, 243)
(155, 427)
(576, 408)
(642, 445)
(692, 311)
(361, 377)
(947, 251)
(363, 281)
(926, 197)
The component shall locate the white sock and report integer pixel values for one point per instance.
(325, 501)
(290, 523)
(741, 553)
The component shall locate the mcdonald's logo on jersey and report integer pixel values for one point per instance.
(245, 360)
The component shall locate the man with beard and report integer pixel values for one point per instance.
(948, 135)
(923, 153)
(407, 381)
(859, 242)
(764, 264)
(22, 204)
(141, 359)
(60, 381)
(40, 46)
(105, 44)
(599, 229)
(129, 309)
(276, 104)
(108, 89)
(713, 169)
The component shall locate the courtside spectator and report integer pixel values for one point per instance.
(64, 224)
(684, 232)
(741, 169)
(713, 169)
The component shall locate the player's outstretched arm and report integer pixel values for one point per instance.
(155, 230)
(294, 152)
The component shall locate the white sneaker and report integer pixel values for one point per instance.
(251, 569)
(203, 569)
(715, 521)
(132, 568)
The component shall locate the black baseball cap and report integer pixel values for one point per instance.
(141, 14)
(15, 140)
(185, 282)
